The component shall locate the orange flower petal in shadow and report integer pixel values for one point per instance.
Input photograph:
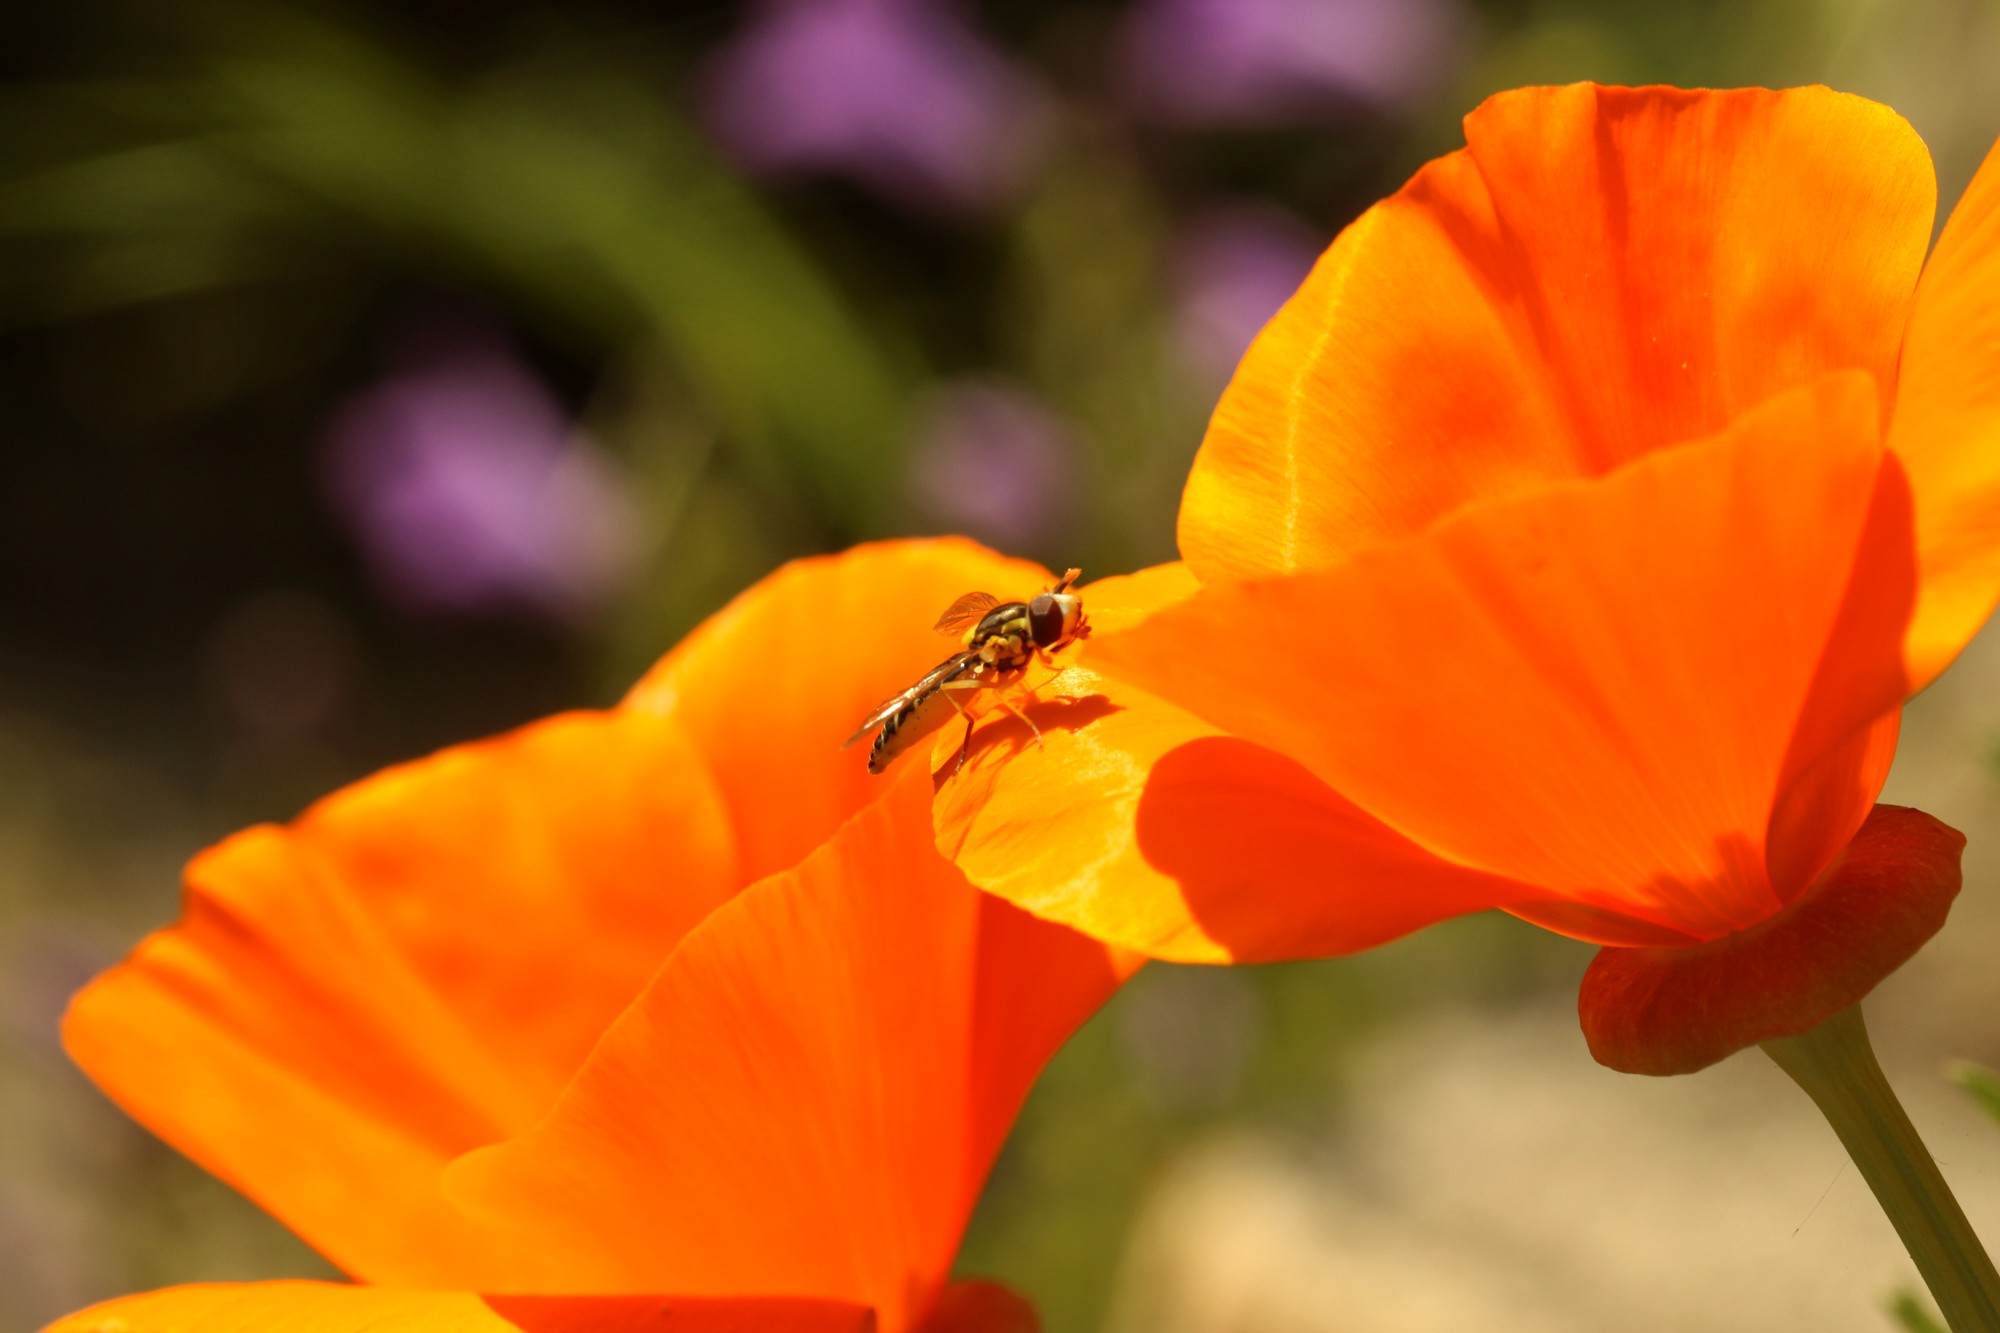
(1946, 427)
(1673, 1011)
(1600, 273)
(412, 969)
(1139, 824)
(1595, 690)
(324, 1307)
(773, 683)
(982, 1307)
(809, 1095)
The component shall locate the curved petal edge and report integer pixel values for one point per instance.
(1602, 272)
(1946, 427)
(1676, 1010)
(331, 1307)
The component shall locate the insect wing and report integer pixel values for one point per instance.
(879, 714)
(966, 612)
(930, 680)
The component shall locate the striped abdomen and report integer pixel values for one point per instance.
(923, 711)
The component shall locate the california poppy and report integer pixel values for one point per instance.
(1567, 544)
(664, 1016)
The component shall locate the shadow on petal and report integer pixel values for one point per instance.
(1273, 863)
(995, 728)
(1845, 738)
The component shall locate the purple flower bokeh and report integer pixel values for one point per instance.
(900, 95)
(1262, 63)
(1232, 268)
(992, 461)
(469, 491)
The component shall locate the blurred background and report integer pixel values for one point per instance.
(376, 376)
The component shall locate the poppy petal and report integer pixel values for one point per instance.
(773, 683)
(982, 1307)
(1673, 1011)
(1123, 600)
(809, 1095)
(326, 1307)
(1139, 824)
(1599, 273)
(1946, 427)
(1845, 738)
(1594, 689)
(351, 1001)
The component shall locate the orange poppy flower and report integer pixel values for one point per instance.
(1566, 545)
(668, 1016)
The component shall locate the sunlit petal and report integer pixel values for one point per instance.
(809, 1095)
(773, 683)
(1597, 690)
(412, 969)
(323, 1307)
(1138, 823)
(1946, 427)
(1601, 272)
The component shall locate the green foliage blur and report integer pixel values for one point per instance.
(1912, 1315)
(216, 221)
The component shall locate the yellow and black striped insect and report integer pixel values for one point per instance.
(1001, 639)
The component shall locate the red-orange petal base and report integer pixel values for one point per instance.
(1673, 1010)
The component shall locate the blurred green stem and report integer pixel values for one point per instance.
(1836, 1066)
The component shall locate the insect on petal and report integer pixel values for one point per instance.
(1597, 690)
(773, 683)
(1138, 823)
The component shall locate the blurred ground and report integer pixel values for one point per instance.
(1488, 1175)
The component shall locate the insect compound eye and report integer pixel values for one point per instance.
(1045, 619)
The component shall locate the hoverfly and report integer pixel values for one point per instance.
(1001, 639)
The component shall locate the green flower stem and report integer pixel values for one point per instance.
(1836, 1066)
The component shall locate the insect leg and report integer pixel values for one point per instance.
(1024, 717)
(950, 692)
(1047, 659)
(964, 746)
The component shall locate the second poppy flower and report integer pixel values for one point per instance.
(1566, 545)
